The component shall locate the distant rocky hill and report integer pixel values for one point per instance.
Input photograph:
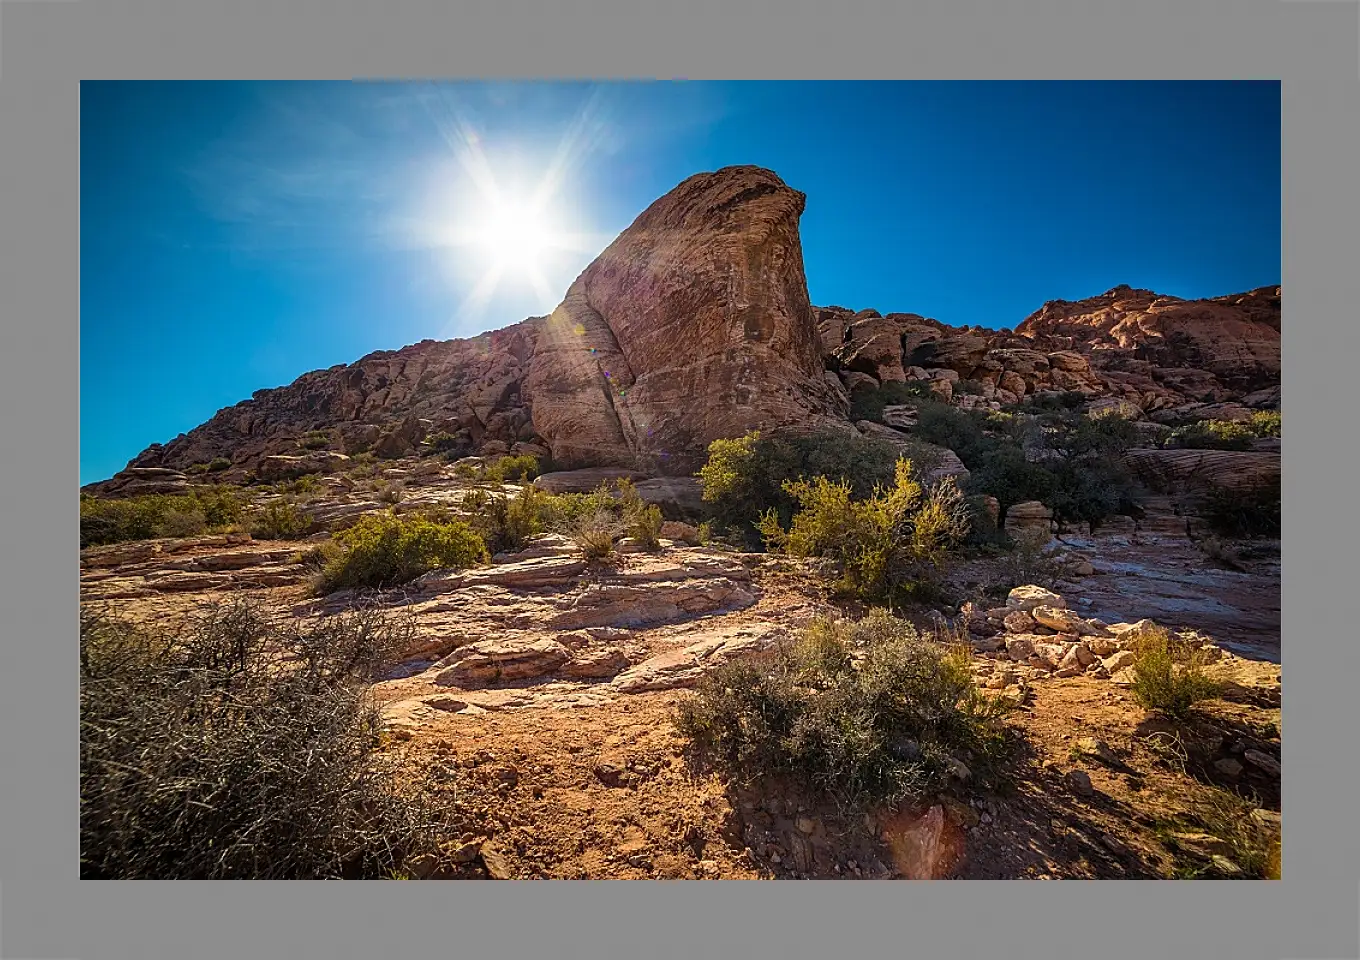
(695, 324)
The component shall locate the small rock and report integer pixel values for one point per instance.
(1101, 646)
(1229, 767)
(609, 774)
(1226, 867)
(1270, 819)
(1019, 648)
(1029, 597)
(466, 852)
(1118, 661)
(987, 644)
(1056, 618)
(1111, 843)
(805, 825)
(1080, 783)
(1098, 749)
(1266, 764)
(1018, 621)
(498, 867)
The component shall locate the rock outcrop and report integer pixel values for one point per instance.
(693, 325)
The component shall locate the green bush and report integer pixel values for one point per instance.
(519, 468)
(1005, 473)
(561, 512)
(947, 426)
(595, 535)
(307, 483)
(443, 442)
(745, 477)
(867, 712)
(1265, 423)
(218, 464)
(201, 510)
(315, 440)
(237, 746)
(642, 521)
(885, 547)
(1169, 673)
(505, 523)
(383, 550)
(869, 404)
(280, 520)
(1212, 435)
(1056, 401)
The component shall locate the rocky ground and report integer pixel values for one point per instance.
(544, 687)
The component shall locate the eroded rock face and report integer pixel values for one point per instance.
(1235, 338)
(693, 325)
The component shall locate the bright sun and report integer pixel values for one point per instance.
(516, 237)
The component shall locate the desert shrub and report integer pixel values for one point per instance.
(280, 520)
(201, 510)
(307, 483)
(235, 747)
(218, 464)
(1252, 846)
(500, 469)
(1074, 436)
(885, 546)
(866, 712)
(1003, 425)
(595, 535)
(1089, 479)
(1005, 473)
(947, 426)
(316, 558)
(744, 478)
(521, 467)
(869, 404)
(1169, 673)
(1054, 401)
(1212, 435)
(1265, 423)
(315, 440)
(505, 522)
(443, 442)
(561, 512)
(642, 521)
(393, 492)
(1254, 513)
(1091, 490)
(383, 550)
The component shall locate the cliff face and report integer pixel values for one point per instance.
(695, 324)
(1132, 347)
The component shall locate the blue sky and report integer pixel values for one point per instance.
(235, 235)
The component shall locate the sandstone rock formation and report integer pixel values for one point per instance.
(693, 325)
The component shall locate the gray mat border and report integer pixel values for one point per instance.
(48, 45)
